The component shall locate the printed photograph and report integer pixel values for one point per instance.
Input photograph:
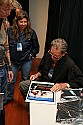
(40, 91)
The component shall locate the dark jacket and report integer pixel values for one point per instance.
(29, 46)
(65, 71)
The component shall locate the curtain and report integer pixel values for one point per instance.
(53, 22)
(65, 20)
(25, 5)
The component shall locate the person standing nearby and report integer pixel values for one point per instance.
(6, 73)
(23, 45)
(5, 9)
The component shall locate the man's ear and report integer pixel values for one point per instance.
(64, 54)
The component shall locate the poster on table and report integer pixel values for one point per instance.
(39, 92)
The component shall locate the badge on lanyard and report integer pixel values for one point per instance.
(19, 46)
(50, 74)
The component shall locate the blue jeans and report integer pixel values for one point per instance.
(2, 117)
(25, 67)
(3, 83)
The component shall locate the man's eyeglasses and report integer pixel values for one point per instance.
(54, 55)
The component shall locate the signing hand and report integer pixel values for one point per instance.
(58, 86)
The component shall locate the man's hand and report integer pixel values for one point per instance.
(59, 86)
(10, 76)
(35, 76)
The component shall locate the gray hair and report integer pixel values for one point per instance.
(14, 3)
(5, 1)
(60, 43)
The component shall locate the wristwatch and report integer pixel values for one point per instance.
(68, 86)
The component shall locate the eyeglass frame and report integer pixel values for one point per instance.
(54, 55)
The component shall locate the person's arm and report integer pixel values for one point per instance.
(75, 80)
(35, 44)
(8, 53)
(40, 69)
(10, 73)
(76, 77)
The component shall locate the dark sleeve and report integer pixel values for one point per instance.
(45, 64)
(75, 77)
(35, 44)
(41, 65)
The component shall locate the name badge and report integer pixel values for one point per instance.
(19, 46)
(50, 74)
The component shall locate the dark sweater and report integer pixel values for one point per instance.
(65, 71)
